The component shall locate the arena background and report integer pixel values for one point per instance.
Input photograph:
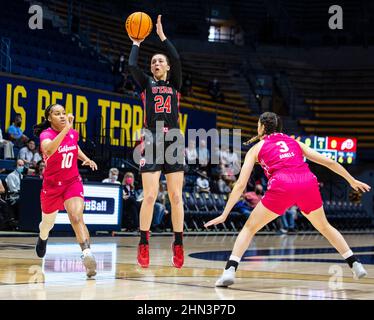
(275, 55)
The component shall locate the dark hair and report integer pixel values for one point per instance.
(272, 123)
(37, 169)
(16, 116)
(45, 124)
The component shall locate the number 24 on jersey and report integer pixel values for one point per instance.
(162, 105)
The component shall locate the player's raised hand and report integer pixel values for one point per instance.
(159, 29)
(90, 163)
(70, 120)
(137, 42)
(218, 220)
(358, 185)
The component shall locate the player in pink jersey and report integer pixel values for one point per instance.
(290, 183)
(62, 184)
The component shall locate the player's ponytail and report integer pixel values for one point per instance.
(45, 124)
(252, 140)
(272, 123)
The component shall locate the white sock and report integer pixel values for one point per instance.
(234, 258)
(46, 225)
(86, 252)
(347, 254)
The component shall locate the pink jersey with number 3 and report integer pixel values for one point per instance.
(281, 153)
(290, 180)
(61, 166)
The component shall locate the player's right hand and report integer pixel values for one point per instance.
(137, 42)
(70, 120)
(358, 185)
(218, 220)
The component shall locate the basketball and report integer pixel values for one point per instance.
(139, 25)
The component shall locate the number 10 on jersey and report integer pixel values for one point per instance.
(67, 160)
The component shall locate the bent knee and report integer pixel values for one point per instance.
(252, 228)
(76, 218)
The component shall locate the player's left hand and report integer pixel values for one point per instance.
(218, 220)
(159, 29)
(90, 163)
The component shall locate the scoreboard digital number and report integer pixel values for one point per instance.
(342, 150)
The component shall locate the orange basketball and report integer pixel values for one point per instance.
(139, 25)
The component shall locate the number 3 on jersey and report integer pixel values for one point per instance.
(162, 105)
(283, 145)
(67, 160)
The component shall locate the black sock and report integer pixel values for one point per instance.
(351, 260)
(85, 245)
(232, 263)
(178, 238)
(144, 236)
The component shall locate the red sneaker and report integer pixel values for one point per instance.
(143, 255)
(178, 255)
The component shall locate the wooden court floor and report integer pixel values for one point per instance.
(298, 267)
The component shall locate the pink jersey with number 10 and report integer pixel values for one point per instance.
(61, 166)
(281, 153)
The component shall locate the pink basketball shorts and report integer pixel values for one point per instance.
(53, 196)
(286, 189)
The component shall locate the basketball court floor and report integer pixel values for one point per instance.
(298, 267)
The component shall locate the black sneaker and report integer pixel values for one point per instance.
(41, 247)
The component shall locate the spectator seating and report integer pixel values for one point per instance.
(202, 207)
(9, 165)
(339, 100)
(353, 117)
(49, 55)
(348, 216)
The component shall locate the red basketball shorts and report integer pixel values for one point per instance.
(53, 196)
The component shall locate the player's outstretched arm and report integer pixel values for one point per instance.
(316, 157)
(237, 191)
(86, 161)
(159, 29)
(176, 70)
(49, 146)
(139, 76)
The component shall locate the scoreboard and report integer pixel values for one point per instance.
(339, 149)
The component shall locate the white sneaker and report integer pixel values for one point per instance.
(90, 264)
(358, 270)
(227, 278)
